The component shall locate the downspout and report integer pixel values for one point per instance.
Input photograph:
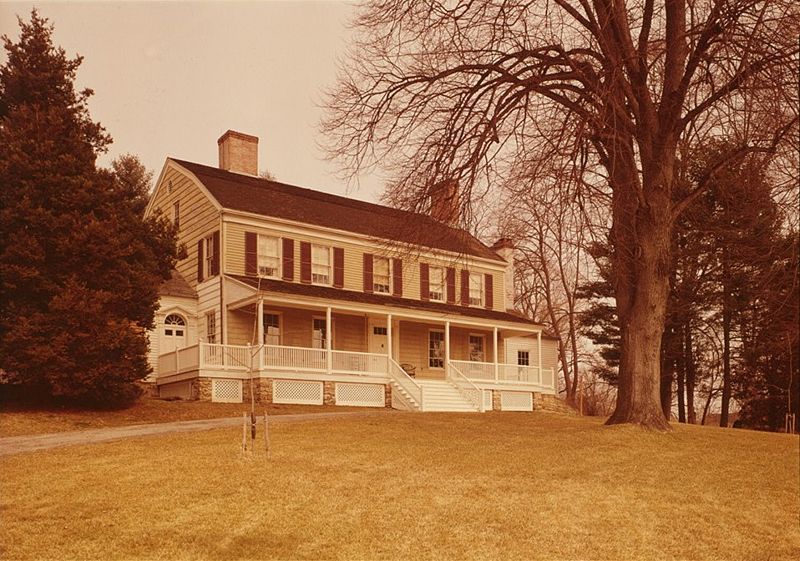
(223, 325)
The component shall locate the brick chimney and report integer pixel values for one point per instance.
(505, 249)
(444, 201)
(238, 152)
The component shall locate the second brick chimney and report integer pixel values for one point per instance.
(238, 152)
(504, 247)
(444, 201)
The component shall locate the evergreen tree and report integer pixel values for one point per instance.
(80, 268)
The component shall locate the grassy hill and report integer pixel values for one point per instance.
(411, 486)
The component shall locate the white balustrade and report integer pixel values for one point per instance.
(296, 358)
(366, 363)
(188, 358)
(226, 357)
(407, 383)
(485, 371)
(468, 389)
(167, 363)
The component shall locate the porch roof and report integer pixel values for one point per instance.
(337, 294)
(176, 286)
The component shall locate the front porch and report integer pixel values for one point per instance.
(306, 347)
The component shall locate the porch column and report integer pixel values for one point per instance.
(494, 348)
(328, 336)
(446, 349)
(259, 332)
(539, 351)
(389, 336)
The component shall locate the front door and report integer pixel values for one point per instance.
(377, 336)
(173, 334)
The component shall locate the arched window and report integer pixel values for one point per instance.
(174, 325)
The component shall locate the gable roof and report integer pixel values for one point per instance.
(270, 198)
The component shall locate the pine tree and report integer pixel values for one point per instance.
(80, 268)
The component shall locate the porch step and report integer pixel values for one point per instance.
(441, 395)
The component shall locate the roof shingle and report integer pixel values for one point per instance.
(270, 198)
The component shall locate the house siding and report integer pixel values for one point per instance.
(207, 302)
(550, 354)
(198, 216)
(349, 332)
(234, 254)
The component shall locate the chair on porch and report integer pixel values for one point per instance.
(409, 369)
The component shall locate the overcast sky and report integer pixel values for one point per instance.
(169, 78)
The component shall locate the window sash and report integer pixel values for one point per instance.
(436, 349)
(381, 277)
(211, 328)
(523, 358)
(209, 243)
(320, 264)
(475, 289)
(436, 286)
(476, 345)
(318, 333)
(272, 329)
(268, 256)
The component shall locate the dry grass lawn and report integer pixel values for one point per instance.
(18, 421)
(411, 486)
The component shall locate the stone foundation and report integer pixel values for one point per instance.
(496, 400)
(551, 403)
(201, 389)
(387, 389)
(329, 393)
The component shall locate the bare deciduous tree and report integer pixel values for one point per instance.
(437, 91)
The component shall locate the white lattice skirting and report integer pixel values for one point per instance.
(226, 391)
(516, 401)
(296, 391)
(360, 395)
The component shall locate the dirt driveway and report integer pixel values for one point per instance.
(18, 444)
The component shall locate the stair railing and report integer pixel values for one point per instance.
(409, 384)
(466, 386)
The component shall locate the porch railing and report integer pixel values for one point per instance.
(407, 383)
(226, 357)
(485, 371)
(204, 355)
(466, 386)
(296, 358)
(359, 363)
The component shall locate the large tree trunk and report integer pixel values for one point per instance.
(642, 259)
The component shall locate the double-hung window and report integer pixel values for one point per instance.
(209, 253)
(475, 289)
(269, 258)
(523, 358)
(319, 333)
(436, 349)
(211, 327)
(476, 347)
(381, 277)
(272, 329)
(436, 284)
(176, 214)
(320, 264)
